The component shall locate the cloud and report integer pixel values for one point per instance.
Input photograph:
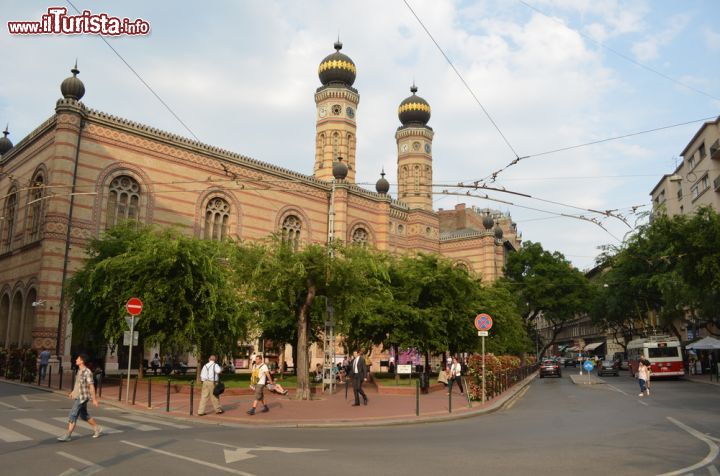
(648, 48)
(712, 39)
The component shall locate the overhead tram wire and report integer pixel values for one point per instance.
(157, 96)
(493, 176)
(460, 76)
(621, 55)
(595, 221)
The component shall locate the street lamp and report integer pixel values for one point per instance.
(340, 171)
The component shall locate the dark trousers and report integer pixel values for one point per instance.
(458, 380)
(357, 389)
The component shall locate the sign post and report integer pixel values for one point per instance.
(483, 323)
(134, 307)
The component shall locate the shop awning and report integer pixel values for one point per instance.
(561, 348)
(573, 349)
(593, 346)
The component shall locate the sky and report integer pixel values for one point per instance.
(542, 75)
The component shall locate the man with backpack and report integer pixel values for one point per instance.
(259, 378)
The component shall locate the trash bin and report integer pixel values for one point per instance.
(424, 382)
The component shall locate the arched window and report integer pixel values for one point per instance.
(291, 228)
(123, 200)
(217, 219)
(35, 207)
(8, 219)
(360, 237)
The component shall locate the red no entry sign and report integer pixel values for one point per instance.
(483, 322)
(134, 306)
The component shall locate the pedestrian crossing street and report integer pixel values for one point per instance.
(37, 429)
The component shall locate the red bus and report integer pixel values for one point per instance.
(663, 352)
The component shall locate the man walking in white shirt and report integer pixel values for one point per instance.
(264, 378)
(209, 376)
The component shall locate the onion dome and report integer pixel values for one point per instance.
(488, 221)
(5, 143)
(339, 169)
(72, 87)
(498, 233)
(337, 68)
(382, 185)
(414, 109)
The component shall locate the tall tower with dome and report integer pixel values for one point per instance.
(414, 142)
(336, 102)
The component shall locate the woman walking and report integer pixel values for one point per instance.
(644, 377)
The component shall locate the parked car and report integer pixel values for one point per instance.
(608, 367)
(570, 362)
(550, 367)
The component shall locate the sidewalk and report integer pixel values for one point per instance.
(703, 379)
(323, 411)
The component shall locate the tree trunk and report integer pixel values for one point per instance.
(282, 361)
(302, 367)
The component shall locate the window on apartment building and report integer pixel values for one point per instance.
(704, 183)
(662, 196)
(35, 207)
(679, 194)
(702, 152)
(694, 192)
(217, 219)
(123, 200)
(682, 209)
(291, 228)
(8, 219)
(691, 161)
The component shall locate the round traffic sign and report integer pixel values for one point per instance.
(588, 366)
(134, 306)
(483, 322)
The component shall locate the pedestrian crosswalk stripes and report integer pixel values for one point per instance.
(156, 422)
(28, 429)
(43, 426)
(9, 436)
(140, 427)
(82, 425)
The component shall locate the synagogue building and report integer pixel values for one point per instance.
(82, 171)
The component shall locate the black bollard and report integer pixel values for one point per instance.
(61, 377)
(100, 381)
(40, 373)
(417, 398)
(167, 402)
(192, 395)
(120, 387)
(149, 393)
(450, 399)
(135, 388)
(49, 375)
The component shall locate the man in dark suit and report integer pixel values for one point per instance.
(358, 371)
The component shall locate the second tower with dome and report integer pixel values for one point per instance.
(414, 141)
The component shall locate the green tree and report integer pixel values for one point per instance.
(192, 300)
(291, 288)
(547, 286)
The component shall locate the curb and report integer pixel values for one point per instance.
(586, 380)
(503, 401)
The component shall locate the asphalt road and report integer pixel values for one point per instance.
(554, 428)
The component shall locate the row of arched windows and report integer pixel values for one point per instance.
(10, 210)
(124, 196)
(17, 316)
